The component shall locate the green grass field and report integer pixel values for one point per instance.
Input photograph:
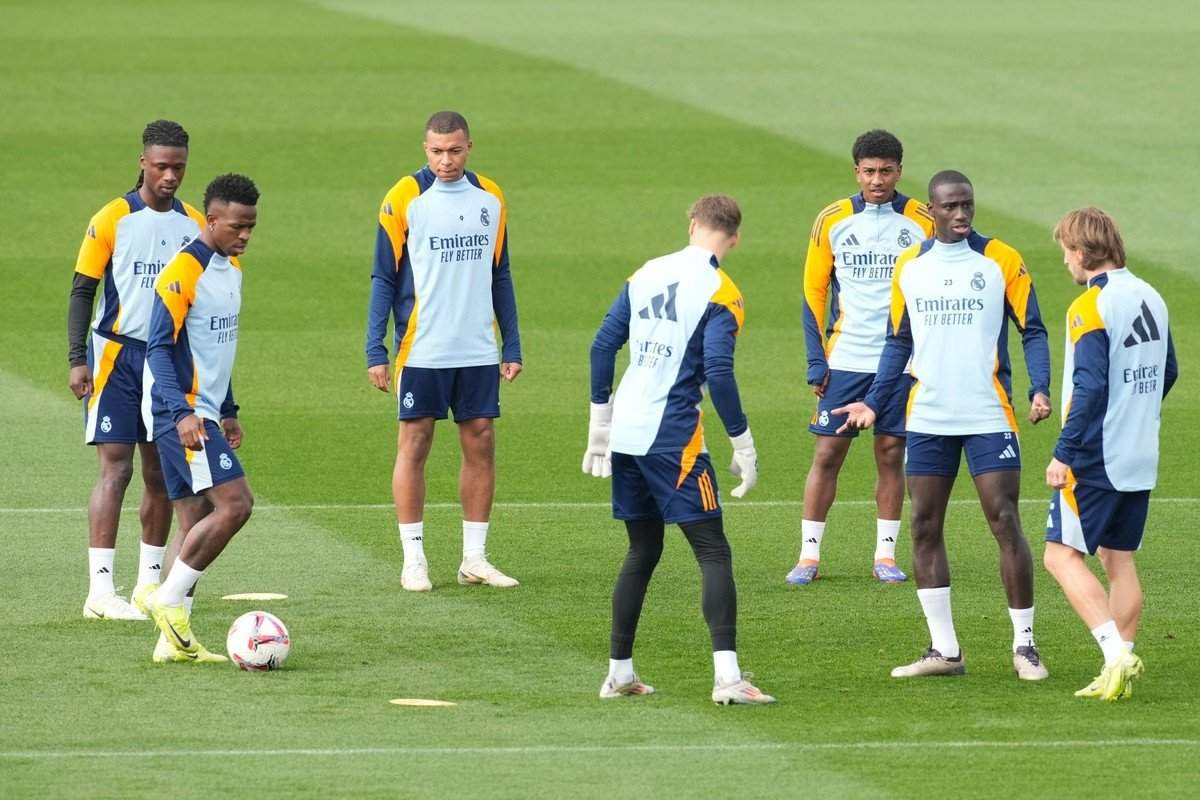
(601, 124)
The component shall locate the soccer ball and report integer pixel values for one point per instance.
(258, 641)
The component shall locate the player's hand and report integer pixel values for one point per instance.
(1039, 408)
(819, 386)
(1056, 474)
(191, 432)
(744, 464)
(859, 416)
(80, 381)
(233, 432)
(509, 370)
(597, 459)
(380, 376)
(819, 389)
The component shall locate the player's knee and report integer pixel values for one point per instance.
(116, 473)
(828, 461)
(238, 507)
(889, 452)
(155, 484)
(1053, 559)
(1005, 522)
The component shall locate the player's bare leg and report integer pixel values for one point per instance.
(999, 495)
(1084, 591)
(155, 510)
(203, 540)
(155, 515)
(231, 503)
(889, 500)
(188, 511)
(413, 443)
(104, 517)
(476, 490)
(929, 495)
(477, 477)
(1097, 610)
(104, 506)
(1124, 590)
(820, 489)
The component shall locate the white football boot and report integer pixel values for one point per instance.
(481, 572)
(415, 577)
(111, 606)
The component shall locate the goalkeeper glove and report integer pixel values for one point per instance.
(745, 463)
(597, 460)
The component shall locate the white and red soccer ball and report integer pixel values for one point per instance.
(258, 642)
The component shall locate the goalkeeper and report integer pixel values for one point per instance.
(681, 315)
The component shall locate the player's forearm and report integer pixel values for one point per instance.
(1083, 402)
(1171, 372)
(79, 312)
(379, 308)
(814, 345)
(1037, 359)
(504, 306)
(604, 368)
(159, 357)
(897, 349)
(723, 390)
(229, 408)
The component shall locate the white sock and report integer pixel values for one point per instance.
(1128, 647)
(1110, 641)
(100, 567)
(887, 531)
(1022, 620)
(936, 605)
(811, 534)
(474, 541)
(620, 670)
(188, 602)
(150, 563)
(725, 666)
(412, 539)
(179, 580)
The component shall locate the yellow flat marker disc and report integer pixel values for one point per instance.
(417, 701)
(255, 596)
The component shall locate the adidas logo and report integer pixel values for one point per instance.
(174, 286)
(811, 540)
(888, 539)
(103, 571)
(1007, 453)
(661, 306)
(1027, 630)
(155, 566)
(1144, 329)
(850, 241)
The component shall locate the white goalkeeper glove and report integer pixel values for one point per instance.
(745, 463)
(597, 460)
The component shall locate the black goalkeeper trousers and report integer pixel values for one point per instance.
(718, 593)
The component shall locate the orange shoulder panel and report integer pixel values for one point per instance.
(918, 213)
(196, 215)
(176, 286)
(727, 295)
(393, 214)
(1017, 281)
(897, 307)
(101, 239)
(493, 188)
(1084, 315)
